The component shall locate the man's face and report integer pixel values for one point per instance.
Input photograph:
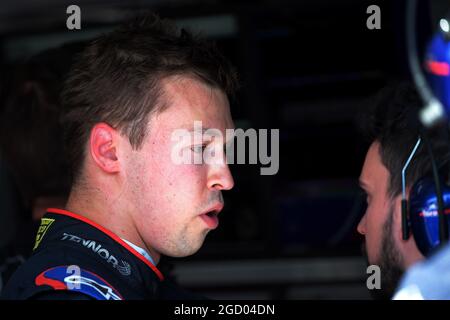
(169, 201)
(378, 224)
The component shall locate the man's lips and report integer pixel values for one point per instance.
(210, 216)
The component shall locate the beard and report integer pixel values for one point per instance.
(390, 262)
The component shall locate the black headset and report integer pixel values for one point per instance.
(425, 213)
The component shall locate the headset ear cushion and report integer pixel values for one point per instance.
(423, 213)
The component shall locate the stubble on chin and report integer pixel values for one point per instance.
(390, 261)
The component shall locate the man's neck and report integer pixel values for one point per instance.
(95, 207)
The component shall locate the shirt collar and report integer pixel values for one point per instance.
(141, 251)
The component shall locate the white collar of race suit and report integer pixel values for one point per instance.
(141, 251)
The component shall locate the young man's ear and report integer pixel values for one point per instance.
(102, 146)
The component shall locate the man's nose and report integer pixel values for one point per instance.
(362, 225)
(221, 178)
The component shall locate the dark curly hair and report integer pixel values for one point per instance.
(392, 120)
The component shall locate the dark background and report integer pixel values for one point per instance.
(307, 68)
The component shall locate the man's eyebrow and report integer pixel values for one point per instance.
(193, 130)
(203, 130)
(190, 129)
(363, 184)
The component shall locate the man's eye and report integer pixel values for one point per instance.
(364, 195)
(198, 148)
(368, 198)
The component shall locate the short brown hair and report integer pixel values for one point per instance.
(117, 79)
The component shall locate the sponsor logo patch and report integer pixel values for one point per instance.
(45, 225)
(73, 278)
(120, 265)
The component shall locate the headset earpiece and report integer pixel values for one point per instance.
(423, 211)
(405, 220)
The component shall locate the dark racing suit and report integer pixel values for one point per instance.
(75, 258)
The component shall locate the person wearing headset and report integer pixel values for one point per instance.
(393, 131)
(425, 217)
(130, 202)
(429, 203)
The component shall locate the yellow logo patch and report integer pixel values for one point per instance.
(45, 224)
